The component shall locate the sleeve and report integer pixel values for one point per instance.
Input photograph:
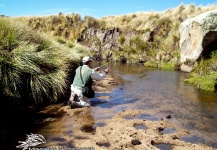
(97, 76)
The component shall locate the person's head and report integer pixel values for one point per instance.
(87, 61)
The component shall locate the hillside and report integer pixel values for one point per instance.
(151, 37)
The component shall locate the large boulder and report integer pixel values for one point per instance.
(196, 35)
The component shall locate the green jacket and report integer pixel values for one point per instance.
(86, 75)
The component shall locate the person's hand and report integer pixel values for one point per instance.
(96, 69)
(106, 71)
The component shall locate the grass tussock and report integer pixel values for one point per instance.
(33, 66)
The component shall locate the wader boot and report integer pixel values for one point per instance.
(73, 103)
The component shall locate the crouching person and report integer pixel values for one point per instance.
(84, 76)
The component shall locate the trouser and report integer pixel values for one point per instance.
(78, 97)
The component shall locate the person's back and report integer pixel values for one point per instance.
(85, 72)
(77, 98)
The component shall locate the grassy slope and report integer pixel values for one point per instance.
(163, 24)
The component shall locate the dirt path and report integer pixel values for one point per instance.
(128, 130)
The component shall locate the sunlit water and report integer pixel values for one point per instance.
(163, 93)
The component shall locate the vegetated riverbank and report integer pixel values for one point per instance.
(129, 129)
(34, 69)
(204, 75)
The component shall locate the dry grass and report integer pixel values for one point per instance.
(143, 20)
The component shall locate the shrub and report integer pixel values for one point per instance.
(33, 67)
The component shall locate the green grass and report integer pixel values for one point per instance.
(151, 64)
(168, 66)
(204, 82)
(204, 75)
(33, 66)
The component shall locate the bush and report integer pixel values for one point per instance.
(33, 67)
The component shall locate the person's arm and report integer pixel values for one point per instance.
(98, 76)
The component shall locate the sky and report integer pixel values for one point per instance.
(94, 8)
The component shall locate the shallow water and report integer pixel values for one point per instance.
(163, 93)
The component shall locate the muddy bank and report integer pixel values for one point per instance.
(129, 129)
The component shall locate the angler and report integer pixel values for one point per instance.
(81, 88)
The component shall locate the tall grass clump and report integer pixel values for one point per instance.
(33, 66)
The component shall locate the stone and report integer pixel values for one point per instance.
(135, 142)
(196, 35)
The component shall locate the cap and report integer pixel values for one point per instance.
(86, 59)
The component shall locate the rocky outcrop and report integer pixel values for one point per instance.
(197, 38)
(105, 42)
(100, 40)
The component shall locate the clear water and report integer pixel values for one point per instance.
(162, 93)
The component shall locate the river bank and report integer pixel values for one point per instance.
(128, 129)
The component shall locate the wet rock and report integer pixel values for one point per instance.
(152, 142)
(103, 144)
(160, 129)
(135, 142)
(174, 137)
(168, 116)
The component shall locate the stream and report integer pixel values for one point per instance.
(163, 93)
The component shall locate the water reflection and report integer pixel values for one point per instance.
(163, 93)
